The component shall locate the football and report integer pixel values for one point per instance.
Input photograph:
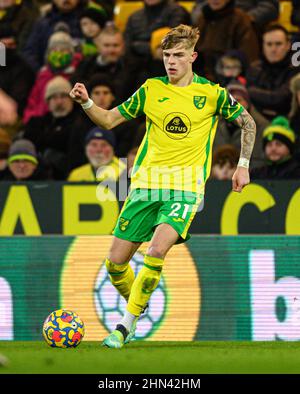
(63, 328)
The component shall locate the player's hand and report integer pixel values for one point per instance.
(79, 93)
(240, 179)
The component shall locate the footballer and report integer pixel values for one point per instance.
(170, 170)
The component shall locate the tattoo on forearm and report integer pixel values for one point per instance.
(248, 126)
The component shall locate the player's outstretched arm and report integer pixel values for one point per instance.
(241, 176)
(107, 119)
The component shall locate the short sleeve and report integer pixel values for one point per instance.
(134, 106)
(227, 106)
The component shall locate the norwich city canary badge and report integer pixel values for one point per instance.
(199, 101)
(123, 224)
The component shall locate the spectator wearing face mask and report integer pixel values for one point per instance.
(102, 162)
(278, 144)
(60, 60)
(62, 11)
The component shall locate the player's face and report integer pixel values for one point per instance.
(178, 61)
(102, 96)
(275, 150)
(111, 47)
(22, 169)
(99, 152)
(275, 46)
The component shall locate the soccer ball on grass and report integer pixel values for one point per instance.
(63, 328)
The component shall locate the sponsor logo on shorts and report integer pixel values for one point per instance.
(178, 220)
(123, 224)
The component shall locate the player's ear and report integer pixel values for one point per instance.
(194, 56)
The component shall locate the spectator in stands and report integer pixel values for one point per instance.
(107, 5)
(294, 115)
(92, 21)
(66, 11)
(230, 133)
(19, 16)
(223, 27)
(156, 64)
(295, 14)
(103, 164)
(231, 66)
(5, 142)
(278, 143)
(8, 109)
(224, 163)
(140, 25)
(17, 77)
(154, 15)
(23, 163)
(109, 61)
(55, 134)
(60, 60)
(268, 79)
(103, 93)
(261, 12)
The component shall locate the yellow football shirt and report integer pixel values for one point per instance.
(85, 173)
(181, 124)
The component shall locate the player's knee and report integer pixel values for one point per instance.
(115, 259)
(156, 251)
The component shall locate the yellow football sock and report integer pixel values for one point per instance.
(121, 276)
(144, 284)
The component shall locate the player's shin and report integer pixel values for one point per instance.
(121, 276)
(144, 284)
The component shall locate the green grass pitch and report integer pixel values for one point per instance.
(153, 357)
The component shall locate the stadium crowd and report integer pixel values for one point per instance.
(49, 46)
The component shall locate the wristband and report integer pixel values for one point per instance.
(243, 163)
(88, 104)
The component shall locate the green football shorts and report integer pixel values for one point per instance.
(144, 209)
